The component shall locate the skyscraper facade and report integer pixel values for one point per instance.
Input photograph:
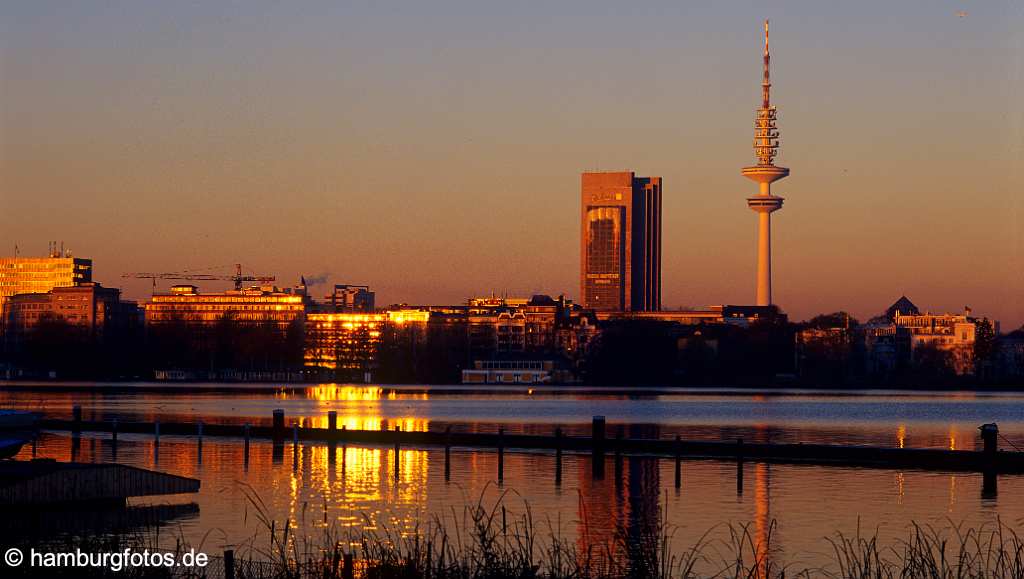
(620, 242)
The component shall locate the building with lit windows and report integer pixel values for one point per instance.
(255, 305)
(951, 333)
(349, 298)
(899, 337)
(91, 307)
(620, 243)
(38, 275)
(343, 341)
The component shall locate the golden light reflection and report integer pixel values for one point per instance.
(336, 392)
(901, 436)
(408, 316)
(358, 480)
(899, 488)
(952, 492)
(360, 409)
(762, 515)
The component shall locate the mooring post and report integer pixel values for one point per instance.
(398, 450)
(597, 446)
(278, 424)
(156, 442)
(76, 419)
(113, 432)
(990, 437)
(76, 445)
(295, 445)
(199, 442)
(501, 455)
(679, 461)
(618, 456)
(558, 456)
(229, 564)
(597, 432)
(347, 570)
(739, 466)
(447, 453)
(245, 436)
(989, 476)
(332, 422)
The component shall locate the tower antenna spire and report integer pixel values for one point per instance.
(766, 85)
(764, 173)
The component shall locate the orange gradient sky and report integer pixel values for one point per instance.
(433, 150)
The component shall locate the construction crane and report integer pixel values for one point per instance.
(238, 278)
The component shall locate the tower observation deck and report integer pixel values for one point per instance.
(764, 173)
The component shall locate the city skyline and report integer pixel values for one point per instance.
(273, 166)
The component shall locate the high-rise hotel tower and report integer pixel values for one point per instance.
(620, 242)
(766, 147)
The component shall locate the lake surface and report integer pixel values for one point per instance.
(318, 485)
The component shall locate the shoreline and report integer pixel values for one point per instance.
(457, 389)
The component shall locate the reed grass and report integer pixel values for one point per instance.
(487, 541)
(501, 538)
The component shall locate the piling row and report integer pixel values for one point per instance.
(597, 444)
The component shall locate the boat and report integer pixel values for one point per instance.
(17, 419)
(10, 447)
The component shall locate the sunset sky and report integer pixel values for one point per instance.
(433, 150)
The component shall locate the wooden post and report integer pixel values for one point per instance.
(278, 422)
(156, 432)
(989, 478)
(597, 425)
(397, 452)
(76, 418)
(347, 570)
(501, 455)
(199, 442)
(739, 466)
(229, 564)
(618, 457)
(679, 460)
(113, 441)
(558, 456)
(332, 422)
(597, 447)
(990, 437)
(344, 450)
(245, 435)
(448, 454)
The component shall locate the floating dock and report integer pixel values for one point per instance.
(37, 482)
(989, 460)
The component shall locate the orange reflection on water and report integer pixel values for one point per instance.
(901, 436)
(354, 483)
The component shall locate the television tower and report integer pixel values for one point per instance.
(766, 146)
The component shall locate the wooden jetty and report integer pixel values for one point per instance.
(990, 460)
(35, 482)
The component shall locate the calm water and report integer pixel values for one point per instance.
(356, 486)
